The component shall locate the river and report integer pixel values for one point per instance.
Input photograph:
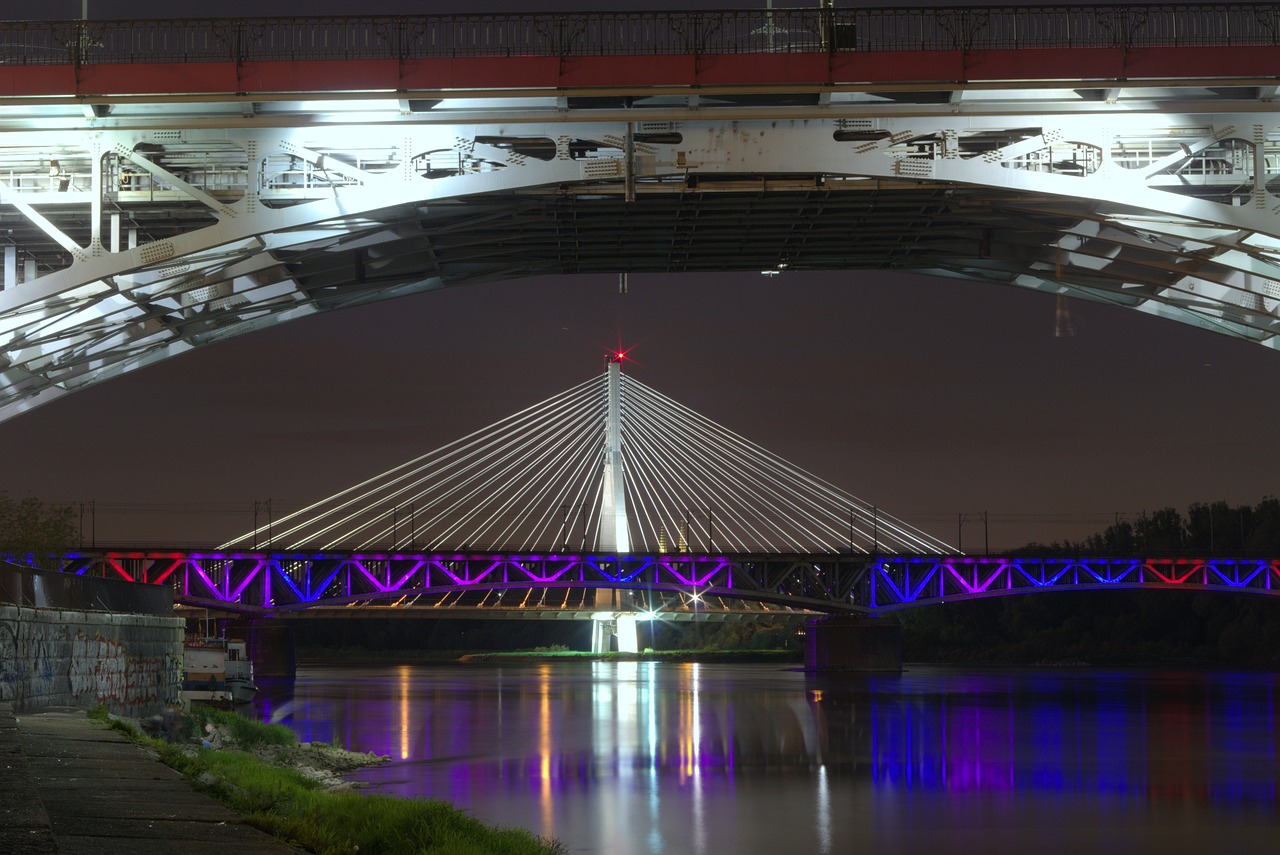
(643, 758)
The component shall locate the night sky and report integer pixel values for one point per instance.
(930, 398)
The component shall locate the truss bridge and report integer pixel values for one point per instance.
(659, 586)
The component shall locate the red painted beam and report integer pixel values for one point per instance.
(25, 81)
(535, 72)
(320, 76)
(157, 79)
(715, 71)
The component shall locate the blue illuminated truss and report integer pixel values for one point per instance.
(279, 582)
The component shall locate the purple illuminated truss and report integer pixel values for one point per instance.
(288, 581)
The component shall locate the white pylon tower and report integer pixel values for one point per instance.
(615, 531)
(612, 621)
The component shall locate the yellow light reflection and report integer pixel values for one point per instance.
(403, 673)
(690, 726)
(544, 749)
(695, 767)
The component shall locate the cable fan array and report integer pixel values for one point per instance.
(534, 480)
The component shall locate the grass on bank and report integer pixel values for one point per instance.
(293, 808)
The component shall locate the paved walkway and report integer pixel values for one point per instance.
(70, 785)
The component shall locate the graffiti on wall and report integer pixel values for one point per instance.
(35, 657)
(26, 668)
(102, 671)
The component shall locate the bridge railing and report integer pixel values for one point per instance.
(634, 33)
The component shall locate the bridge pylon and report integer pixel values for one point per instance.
(615, 528)
(615, 531)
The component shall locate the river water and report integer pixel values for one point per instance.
(632, 758)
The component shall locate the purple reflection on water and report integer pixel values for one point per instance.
(650, 758)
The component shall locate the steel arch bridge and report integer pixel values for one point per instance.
(165, 185)
(279, 583)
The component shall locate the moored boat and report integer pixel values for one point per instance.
(217, 670)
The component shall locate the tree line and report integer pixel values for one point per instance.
(34, 533)
(1215, 528)
(1115, 627)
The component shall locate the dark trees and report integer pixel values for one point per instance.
(34, 533)
(1214, 529)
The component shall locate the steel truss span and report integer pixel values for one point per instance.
(281, 582)
(141, 225)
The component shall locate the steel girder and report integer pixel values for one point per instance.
(265, 581)
(132, 244)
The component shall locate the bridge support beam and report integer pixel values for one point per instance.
(852, 644)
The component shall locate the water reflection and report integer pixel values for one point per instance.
(649, 758)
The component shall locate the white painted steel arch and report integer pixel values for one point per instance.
(132, 237)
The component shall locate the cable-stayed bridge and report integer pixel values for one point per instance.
(610, 465)
(166, 185)
(614, 503)
(607, 488)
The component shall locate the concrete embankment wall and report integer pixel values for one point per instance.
(70, 641)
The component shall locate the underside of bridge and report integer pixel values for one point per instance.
(137, 226)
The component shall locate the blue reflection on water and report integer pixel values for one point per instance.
(647, 758)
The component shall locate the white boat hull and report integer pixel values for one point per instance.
(217, 672)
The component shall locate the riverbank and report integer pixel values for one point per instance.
(217, 729)
(295, 791)
(69, 784)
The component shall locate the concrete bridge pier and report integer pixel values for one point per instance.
(844, 643)
(613, 620)
(608, 626)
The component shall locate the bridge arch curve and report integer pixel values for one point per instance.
(143, 230)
